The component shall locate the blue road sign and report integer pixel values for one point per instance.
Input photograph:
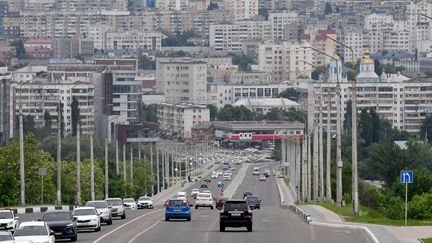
(221, 185)
(406, 176)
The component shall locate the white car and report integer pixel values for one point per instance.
(102, 209)
(204, 200)
(214, 176)
(6, 236)
(130, 203)
(194, 192)
(35, 231)
(226, 177)
(8, 221)
(181, 194)
(145, 202)
(262, 178)
(87, 218)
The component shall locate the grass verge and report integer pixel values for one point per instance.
(428, 240)
(370, 216)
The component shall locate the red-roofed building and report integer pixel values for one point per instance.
(39, 52)
(318, 39)
(45, 43)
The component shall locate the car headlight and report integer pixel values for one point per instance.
(10, 223)
(94, 220)
(105, 213)
(69, 225)
(46, 241)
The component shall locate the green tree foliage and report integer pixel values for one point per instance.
(146, 63)
(426, 129)
(263, 12)
(290, 94)
(317, 72)
(178, 40)
(147, 113)
(213, 6)
(347, 124)
(19, 48)
(378, 68)
(237, 113)
(74, 115)
(213, 112)
(243, 61)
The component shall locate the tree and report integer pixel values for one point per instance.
(426, 129)
(263, 12)
(290, 93)
(317, 72)
(179, 40)
(378, 68)
(347, 117)
(145, 63)
(47, 119)
(243, 61)
(213, 6)
(74, 115)
(213, 112)
(19, 48)
(327, 9)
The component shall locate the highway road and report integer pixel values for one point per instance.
(270, 224)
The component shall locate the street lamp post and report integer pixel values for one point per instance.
(21, 137)
(355, 200)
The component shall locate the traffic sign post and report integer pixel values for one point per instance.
(406, 176)
(42, 172)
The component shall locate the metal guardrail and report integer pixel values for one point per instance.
(303, 215)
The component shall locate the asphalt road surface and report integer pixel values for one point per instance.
(271, 223)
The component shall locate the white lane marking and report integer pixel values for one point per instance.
(313, 235)
(123, 225)
(149, 228)
(207, 232)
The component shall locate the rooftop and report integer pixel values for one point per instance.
(267, 102)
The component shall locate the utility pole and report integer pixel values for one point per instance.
(321, 149)
(157, 169)
(303, 168)
(59, 134)
(117, 157)
(22, 172)
(339, 163)
(106, 168)
(124, 162)
(163, 168)
(78, 160)
(328, 160)
(309, 168)
(298, 175)
(151, 164)
(131, 164)
(92, 191)
(315, 163)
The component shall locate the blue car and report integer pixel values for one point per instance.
(177, 208)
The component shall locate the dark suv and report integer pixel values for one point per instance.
(62, 223)
(235, 213)
(253, 201)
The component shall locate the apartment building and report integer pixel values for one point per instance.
(176, 5)
(181, 80)
(355, 39)
(279, 22)
(39, 97)
(404, 103)
(5, 101)
(241, 9)
(178, 119)
(319, 40)
(229, 37)
(147, 41)
(284, 60)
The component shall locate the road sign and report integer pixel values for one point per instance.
(221, 185)
(406, 176)
(42, 171)
(221, 192)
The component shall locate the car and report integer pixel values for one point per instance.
(130, 203)
(225, 168)
(207, 191)
(262, 178)
(117, 208)
(253, 201)
(220, 202)
(62, 223)
(34, 231)
(104, 211)
(178, 208)
(203, 186)
(245, 194)
(145, 202)
(226, 177)
(87, 218)
(204, 200)
(235, 213)
(255, 171)
(194, 192)
(6, 236)
(181, 194)
(233, 169)
(214, 176)
(207, 180)
(8, 220)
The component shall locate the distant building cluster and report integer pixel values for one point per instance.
(119, 61)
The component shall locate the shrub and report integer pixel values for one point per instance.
(394, 207)
(420, 207)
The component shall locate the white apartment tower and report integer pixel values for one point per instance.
(242, 9)
(182, 80)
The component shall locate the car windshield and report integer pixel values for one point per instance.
(144, 198)
(5, 237)
(128, 200)
(114, 202)
(6, 215)
(31, 230)
(205, 195)
(252, 199)
(101, 204)
(57, 216)
(177, 203)
(80, 212)
(236, 206)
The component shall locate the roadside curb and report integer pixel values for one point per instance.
(348, 226)
(41, 209)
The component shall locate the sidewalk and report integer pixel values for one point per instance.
(383, 233)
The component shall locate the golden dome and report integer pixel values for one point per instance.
(336, 57)
(367, 60)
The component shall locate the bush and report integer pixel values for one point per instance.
(420, 207)
(370, 196)
(394, 207)
(347, 197)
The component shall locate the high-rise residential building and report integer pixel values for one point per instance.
(241, 9)
(284, 60)
(229, 37)
(178, 119)
(319, 40)
(354, 39)
(36, 98)
(280, 22)
(146, 41)
(182, 80)
(172, 5)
